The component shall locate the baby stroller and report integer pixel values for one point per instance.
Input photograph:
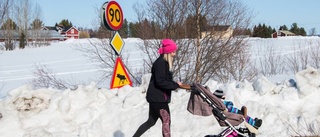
(202, 102)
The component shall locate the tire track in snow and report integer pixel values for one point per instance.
(6, 79)
(24, 72)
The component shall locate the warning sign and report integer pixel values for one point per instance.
(120, 76)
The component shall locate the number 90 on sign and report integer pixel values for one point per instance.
(113, 15)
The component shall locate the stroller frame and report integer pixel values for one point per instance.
(218, 110)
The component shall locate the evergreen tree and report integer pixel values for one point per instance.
(9, 24)
(191, 31)
(104, 33)
(36, 24)
(124, 30)
(302, 32)
(242, 32)
(296, 30)
(154, 28)
(262, 31)
(255, 31)
(145, 30)
(248, 32)
(259, 30)
(65, 23)
(283, 27)
(133, 29)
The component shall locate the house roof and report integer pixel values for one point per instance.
(287, 32)
(68, 28)
(47, 34)
(14, 33)
(64, 29)
(42, 33)
(50, 28)
(221, 27)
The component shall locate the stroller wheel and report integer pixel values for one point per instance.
(252, 135)
(211, 136)
(243, 130)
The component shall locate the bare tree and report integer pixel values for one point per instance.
(201, 58)
(45, 78)
(38, 36)
(270, 60)
(104, 55)
(303, 127)
(198, 59)
(84, 34)
(300, 58)
(6, 23)
(225, 51)
(139, 10)
(101, 52)
(165, 23)
(292, 60)
(307, 52)
(312, 32)
(241, 68)
(23, 17)
(4, 9)
(315, 55)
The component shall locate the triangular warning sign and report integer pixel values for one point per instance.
(120, 76)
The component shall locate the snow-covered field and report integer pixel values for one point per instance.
(93, 110)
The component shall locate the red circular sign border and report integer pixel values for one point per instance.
(107, 18)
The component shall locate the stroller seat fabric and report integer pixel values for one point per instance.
(203, 103)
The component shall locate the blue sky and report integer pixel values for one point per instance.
(81, 13)
(273, 13)
(285, 12)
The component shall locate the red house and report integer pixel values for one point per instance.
(282, 33)
(68, 32)
(71, 32)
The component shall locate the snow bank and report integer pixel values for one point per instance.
(90, 111)
(263, 85)
(308, 81)
(285, 106)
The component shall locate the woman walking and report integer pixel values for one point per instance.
(160, 88)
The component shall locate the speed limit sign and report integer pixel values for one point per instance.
(112, 15)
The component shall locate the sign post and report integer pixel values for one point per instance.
(112, 19)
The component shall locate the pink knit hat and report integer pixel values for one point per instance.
(167, 46)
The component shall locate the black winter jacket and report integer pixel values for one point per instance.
(161, 82)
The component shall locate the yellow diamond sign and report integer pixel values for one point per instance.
(117, 43)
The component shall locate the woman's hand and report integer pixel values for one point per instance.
(184, 86)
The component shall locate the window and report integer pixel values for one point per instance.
(72, 31)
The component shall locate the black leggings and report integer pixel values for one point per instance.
(156, 110)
